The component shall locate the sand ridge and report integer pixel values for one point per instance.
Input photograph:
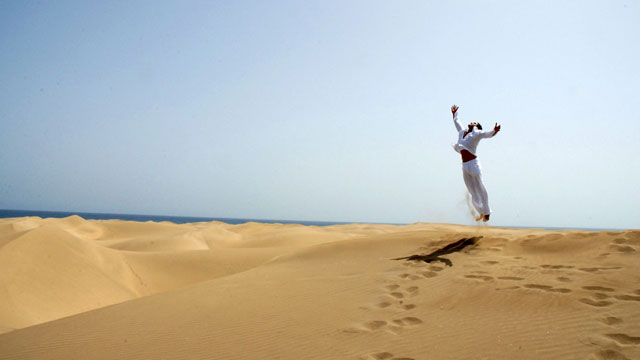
(75, 288)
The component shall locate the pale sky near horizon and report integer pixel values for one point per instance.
(321, 110)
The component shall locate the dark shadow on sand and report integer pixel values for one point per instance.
(451, 248)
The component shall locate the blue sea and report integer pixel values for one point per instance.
(5, 213)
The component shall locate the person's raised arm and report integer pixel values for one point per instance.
(490, 133)
(454, 112)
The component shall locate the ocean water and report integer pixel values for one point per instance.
(6, 213)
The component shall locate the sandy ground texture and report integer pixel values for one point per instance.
(85, 289)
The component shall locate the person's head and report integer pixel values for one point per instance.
(471, 125)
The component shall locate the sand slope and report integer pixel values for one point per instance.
(259, 291)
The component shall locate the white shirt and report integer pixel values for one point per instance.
(469, 142)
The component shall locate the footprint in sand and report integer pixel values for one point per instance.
(413, 290)
(596, 303)
(432, 272)
(514, 278)
(623, 248)
(610, 355)
(556, 267)
(598, 288)
(489, 262)
(563, 279)
(627, 297)
(394, 292)
(428, 274)
(624, 339)
(398, 293)
(375, 325)
(414, 264)
(380, 356)
(479, 277)
(561, 290)
(407, 321)
(598, 269)
(409, 276)
(546, 288)
(384, 355)
(611, 320)
(383, 304)
(537, 286)
(395, 326)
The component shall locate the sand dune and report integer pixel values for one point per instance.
(73, 288)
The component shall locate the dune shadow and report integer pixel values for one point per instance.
(448, 249)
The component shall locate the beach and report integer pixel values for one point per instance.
(104, 289)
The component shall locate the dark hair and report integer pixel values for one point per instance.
(479, 126)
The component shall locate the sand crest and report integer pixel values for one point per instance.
(75, 288)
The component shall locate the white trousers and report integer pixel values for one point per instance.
(473, 179)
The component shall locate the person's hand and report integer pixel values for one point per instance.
(454, 108)
(496, 128)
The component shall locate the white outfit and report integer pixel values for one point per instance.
(469, 142)
(471, 170)
(472, 174)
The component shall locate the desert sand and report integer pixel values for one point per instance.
(86, 289)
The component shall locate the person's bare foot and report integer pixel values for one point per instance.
(486, 218)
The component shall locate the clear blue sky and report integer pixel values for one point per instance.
(321, 110)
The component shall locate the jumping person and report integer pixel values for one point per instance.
(468, 140)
